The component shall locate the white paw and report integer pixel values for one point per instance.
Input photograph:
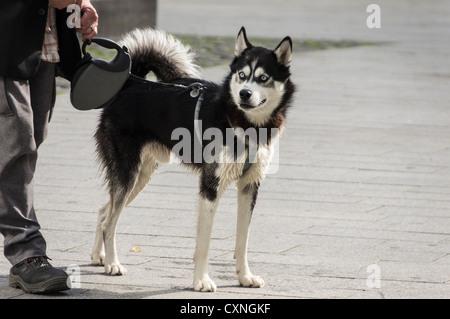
(115, 269)
(251, 281)
(204, 284)
(98, 258)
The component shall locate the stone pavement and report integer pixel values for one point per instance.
(363, 186)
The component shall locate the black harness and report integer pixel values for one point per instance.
(97, 82)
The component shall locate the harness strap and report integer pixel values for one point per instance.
(196, 117)
(248, 163)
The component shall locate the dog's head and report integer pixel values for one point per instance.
(259, 76)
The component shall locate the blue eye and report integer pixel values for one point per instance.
(241, 75)
(263, 78)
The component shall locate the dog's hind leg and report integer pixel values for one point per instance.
(98, 251)
(246, 202)
(109, 225)
(120, 197)
(145, 172)
(151, 156)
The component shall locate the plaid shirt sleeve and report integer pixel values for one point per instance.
(50, 45)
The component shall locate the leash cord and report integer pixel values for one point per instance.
(196, 86)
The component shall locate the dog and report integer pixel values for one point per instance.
(138, 131)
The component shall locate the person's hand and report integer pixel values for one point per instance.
(89, 20)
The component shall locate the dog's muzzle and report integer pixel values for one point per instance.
(245, 96)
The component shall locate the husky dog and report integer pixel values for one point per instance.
(136, 133)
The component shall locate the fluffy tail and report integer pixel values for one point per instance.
(157, 51)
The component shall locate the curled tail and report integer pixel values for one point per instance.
(160, 52)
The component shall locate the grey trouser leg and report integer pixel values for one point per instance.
(25, 108)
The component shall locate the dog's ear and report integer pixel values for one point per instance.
(242, 43)
(284, 52)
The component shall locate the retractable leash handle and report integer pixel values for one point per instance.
(96, 81)
(121, 61)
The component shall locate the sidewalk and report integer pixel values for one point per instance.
(363, 185)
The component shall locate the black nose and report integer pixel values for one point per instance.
(245, 94)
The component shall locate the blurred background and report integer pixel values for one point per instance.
(211, 26)
(329, 19)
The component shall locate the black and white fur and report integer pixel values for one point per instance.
(134, 136)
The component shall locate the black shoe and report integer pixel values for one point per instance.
(36, 275)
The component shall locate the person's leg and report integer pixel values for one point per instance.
(25, 108)
(18, 223)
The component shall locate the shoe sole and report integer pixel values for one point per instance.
(52, 285)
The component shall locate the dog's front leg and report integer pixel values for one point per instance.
(206, 212)
(246, 202)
